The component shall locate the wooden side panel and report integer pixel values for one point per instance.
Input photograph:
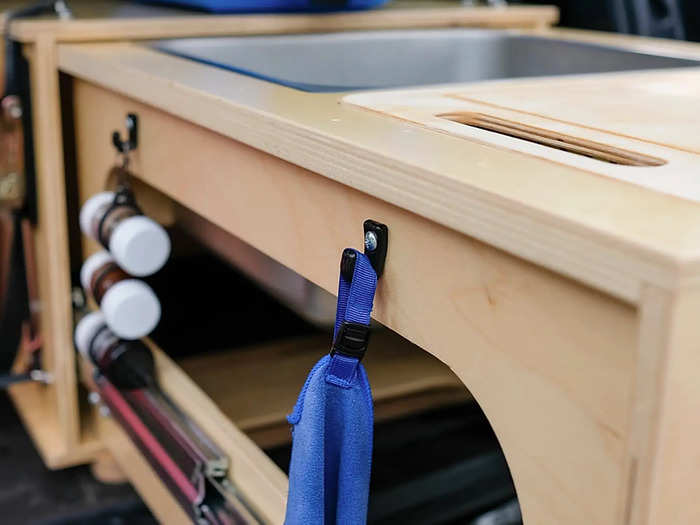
(59, 443)
(669, 494)
(550, 361)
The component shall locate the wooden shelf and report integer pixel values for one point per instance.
(257, 387)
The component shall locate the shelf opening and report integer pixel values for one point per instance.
(436, 459)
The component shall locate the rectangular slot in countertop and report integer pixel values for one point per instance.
(544, 137)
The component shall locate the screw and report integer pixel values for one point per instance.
(78, 298)
(8, 185)
(62, 10)
(41, 376)
(12, 107)
(371, 241)
(15, 111)
(104, 411)
(94, 398)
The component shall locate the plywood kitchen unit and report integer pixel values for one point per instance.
(561, 288)
(52, 412)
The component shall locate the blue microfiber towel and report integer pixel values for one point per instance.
(333, 424)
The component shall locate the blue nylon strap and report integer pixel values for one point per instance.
(329, 471)
(355, 300)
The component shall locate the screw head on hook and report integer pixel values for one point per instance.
(376, 243)
(371, 241)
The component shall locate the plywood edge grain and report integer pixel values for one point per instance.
(172, 27)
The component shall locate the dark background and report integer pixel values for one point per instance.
(622, 16)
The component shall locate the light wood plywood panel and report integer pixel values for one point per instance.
(662, 443)
(51, 245)
(563, 131)
(36, 406)
(107, 24)
(590, 399)
(672, 483)
(110, 20)
(574, 219)
(551, 362)
(660, 107)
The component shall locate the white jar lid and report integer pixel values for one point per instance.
(94, 262)
(131, 309)
(91, 207)
(86, 330)
(140, 245)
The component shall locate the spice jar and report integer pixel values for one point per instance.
(130, 307)
(138, 243)
(127, 364)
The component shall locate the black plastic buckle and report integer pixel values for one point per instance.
(352, 340)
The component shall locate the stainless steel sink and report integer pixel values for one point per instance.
(383, 59)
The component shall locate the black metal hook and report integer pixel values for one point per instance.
(376, 246)
(132, 141)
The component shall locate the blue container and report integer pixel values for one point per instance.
(263, 6)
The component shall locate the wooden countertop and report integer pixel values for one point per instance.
(609, 233)
(102, 20)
